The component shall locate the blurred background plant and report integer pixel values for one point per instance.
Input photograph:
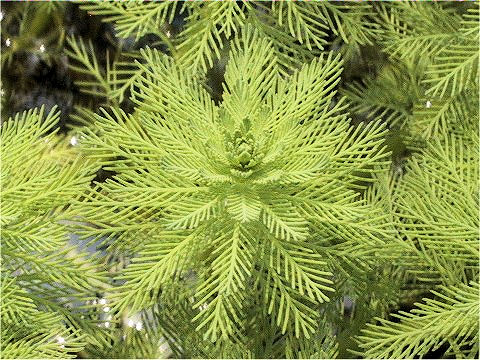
(34, 65)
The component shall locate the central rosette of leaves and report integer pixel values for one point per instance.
(243, 151)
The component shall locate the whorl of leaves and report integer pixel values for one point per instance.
(231, 191)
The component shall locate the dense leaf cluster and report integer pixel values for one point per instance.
(264, 223)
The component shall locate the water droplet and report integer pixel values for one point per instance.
(8, 42)
(428, 104)
(74, 142)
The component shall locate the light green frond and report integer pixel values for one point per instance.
(172, 321)
(243, 207)
(135, 18)
(437, 115)
(190, 213)
(365, 256)
(360, 233)
(171, 92)
(470, 22)
(28, 332)
(327, 349)
(221, 295)
(289, 53)
(454, 69)
(45, 190)
(41, 176)
(322, 345)
(24, 131)
(118, 220)
(208, 25)
(140, 140)
(450, 319)
(44, 338)
(340, 218)
(389, 95)
(87, 64)
(158, 263)
(32, 180)
(284, 221)
(437, 200)
(368, 140)
(195, 180)
(249, 75)
(131, 140)
(33, 231)
(122, 75)
(304, 22)
(288, 307)
(301, 267)
(309, 89)
(56, 267)
(17, 306)
(353, 22)
(416, 30)
(129, 342)
(380, 194)
(301, 168)
(110, 83)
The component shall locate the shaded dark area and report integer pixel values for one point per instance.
(34, 69)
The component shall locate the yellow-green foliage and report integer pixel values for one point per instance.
(41, 272)
(264, 223)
